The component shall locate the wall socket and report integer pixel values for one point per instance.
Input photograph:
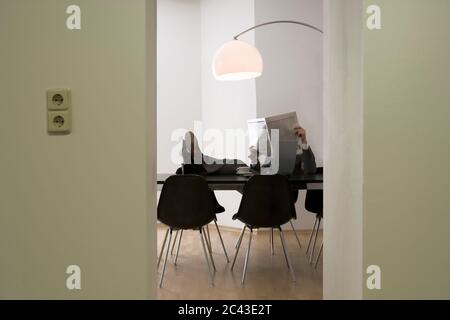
(59, 122)
(59, 111)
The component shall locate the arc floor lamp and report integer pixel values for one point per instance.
(239, 60)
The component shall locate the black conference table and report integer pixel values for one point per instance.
(236, 182)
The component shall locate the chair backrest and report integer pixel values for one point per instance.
(185, 202)
(266, 202)
(314, 199)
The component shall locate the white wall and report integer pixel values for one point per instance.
(292, 78)
(179, 73)
(225, 104)
(293, 55)
(82, 198)
(406, 119)
(343, 138)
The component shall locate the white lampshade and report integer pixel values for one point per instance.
(237, 60)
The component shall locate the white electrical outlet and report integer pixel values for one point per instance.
(59, 99)
(59, 111)
(59, 122)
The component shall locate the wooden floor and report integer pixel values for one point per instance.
(267, 276)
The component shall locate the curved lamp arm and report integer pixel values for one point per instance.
(276, 22)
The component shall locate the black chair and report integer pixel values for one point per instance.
(185, 204)
(193, 169)
(266, 203)
(314, 204)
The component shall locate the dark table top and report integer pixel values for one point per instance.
(235, 179)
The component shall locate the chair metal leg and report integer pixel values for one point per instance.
(238, 246)
(311, 236)
(272, 249)
(178, 247)
(318, 256)
(174, 242)
(244, 273)
(208, 246)
(240, 237)
(209, 237)
(221, 240)
(206, 257)
(284, 251)
(165, 261)
(315, 240)
(296, 236)
(283, 242)
(162, 249)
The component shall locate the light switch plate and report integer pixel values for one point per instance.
(59, 99)
(59, 122)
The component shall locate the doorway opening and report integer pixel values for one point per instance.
(191, 99)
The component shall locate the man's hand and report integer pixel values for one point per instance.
(301, 134)
(253, 155)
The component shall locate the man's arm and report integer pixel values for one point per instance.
(308, 161)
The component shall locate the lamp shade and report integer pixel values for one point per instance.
(237, 60)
